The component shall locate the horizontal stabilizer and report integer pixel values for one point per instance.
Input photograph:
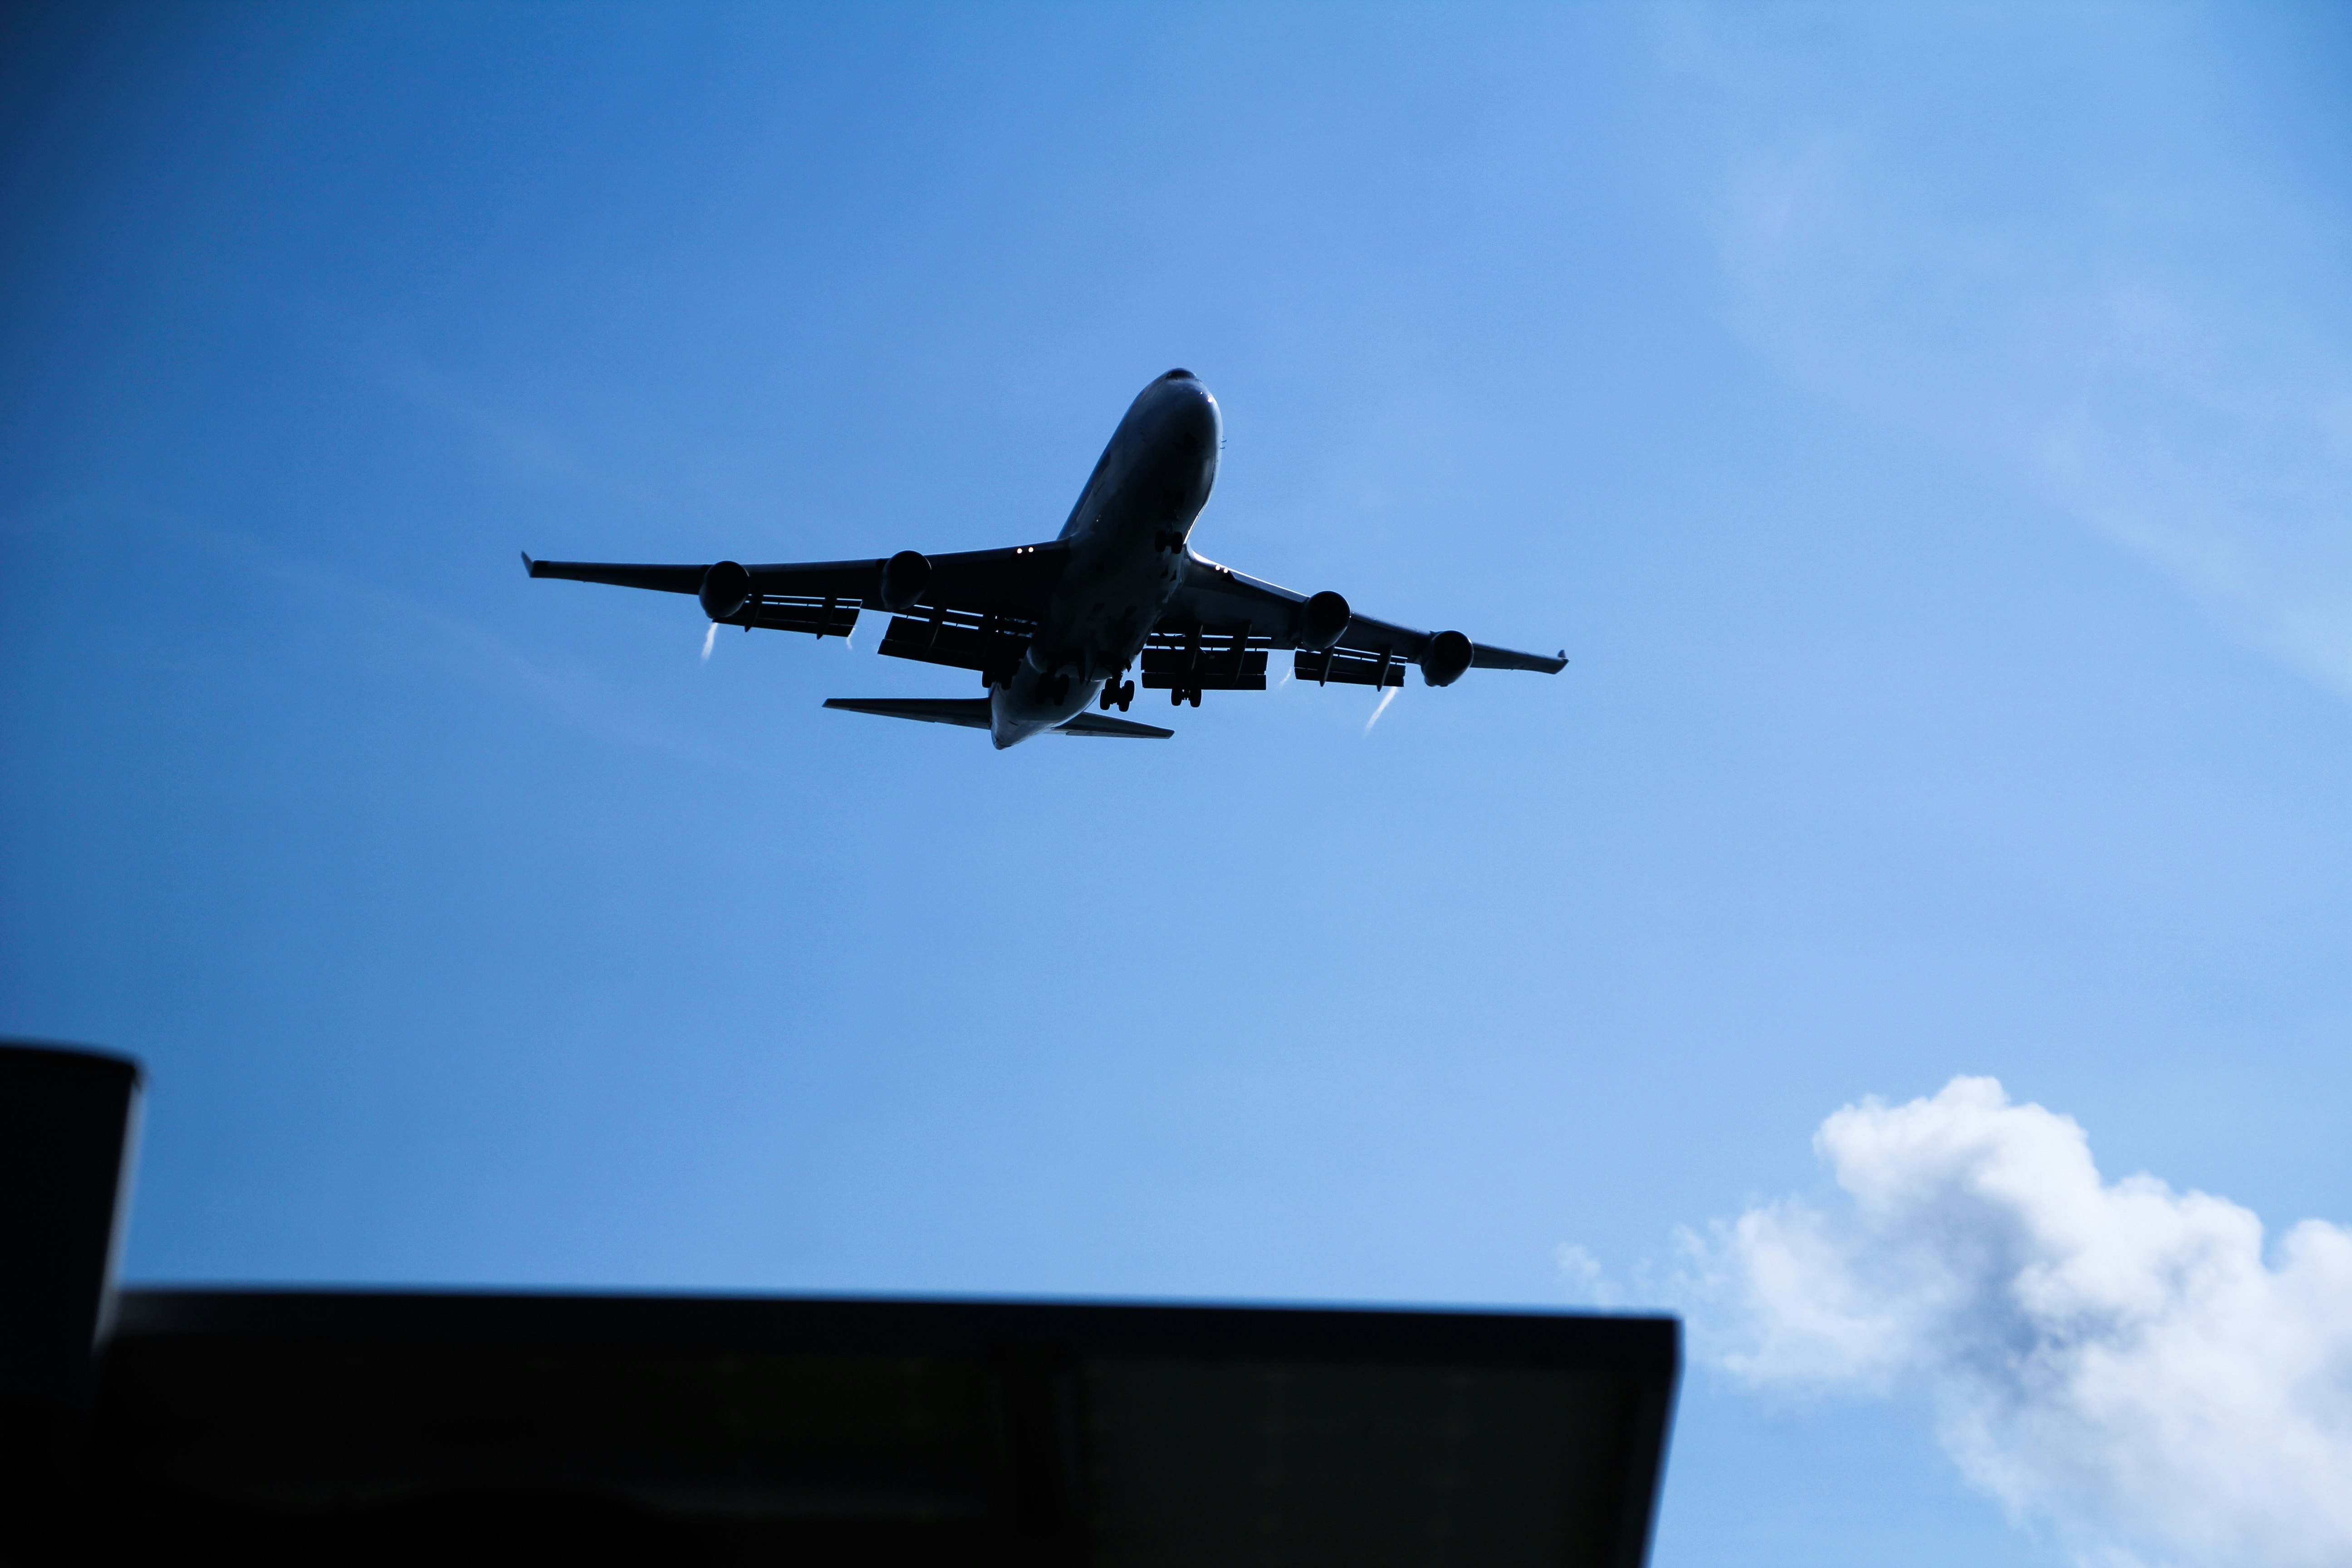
(971, 712)
(1102, 724)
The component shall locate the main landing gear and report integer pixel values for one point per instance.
(1120, 692)
(1178, 696)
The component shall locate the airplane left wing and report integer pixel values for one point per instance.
(972, 609)
(1210, 633)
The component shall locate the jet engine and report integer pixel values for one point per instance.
(903, 577)
(726, 588)
(1446, 658)
(1321, 620)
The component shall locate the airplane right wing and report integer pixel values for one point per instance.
(1223, 624)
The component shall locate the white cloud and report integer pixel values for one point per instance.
(2114, 1357)
(1588, 1284)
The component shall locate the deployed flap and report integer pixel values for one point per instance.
(971, 712)
(1103, 724)
(962, 640)
(1348, 668)
(825, 617)
(1187, 661)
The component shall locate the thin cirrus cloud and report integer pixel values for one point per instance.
(2066, 251)
(2117, 1359)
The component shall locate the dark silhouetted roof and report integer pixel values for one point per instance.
(368, 1429)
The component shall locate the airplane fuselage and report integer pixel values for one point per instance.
(1126, 537)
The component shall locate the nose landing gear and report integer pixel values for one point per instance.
(1178, 696)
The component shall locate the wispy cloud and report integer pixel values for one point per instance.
(2116, 1358)
(518, 434)
(410, 631)
(2080, 274)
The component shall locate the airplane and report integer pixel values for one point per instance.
(1054, 628)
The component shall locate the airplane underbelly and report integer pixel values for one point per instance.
(1036, 702)
(1126, 564)
(1108, 602)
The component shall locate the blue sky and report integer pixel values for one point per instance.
(1929, 435)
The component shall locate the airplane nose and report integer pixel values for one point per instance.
(1177, 407)
(1196, 412)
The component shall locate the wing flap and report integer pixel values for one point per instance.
(826, 617)
(960, 640)
(1186, 663)
(1348, 668)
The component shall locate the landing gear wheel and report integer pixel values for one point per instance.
(1109, 695)
(1196, 696)
(1126, 695)
(1175, 697)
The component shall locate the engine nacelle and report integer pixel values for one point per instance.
(903, 577)
(1446, 657)
(726, 589)
(1322, 620)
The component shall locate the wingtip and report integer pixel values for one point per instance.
(530, 567)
